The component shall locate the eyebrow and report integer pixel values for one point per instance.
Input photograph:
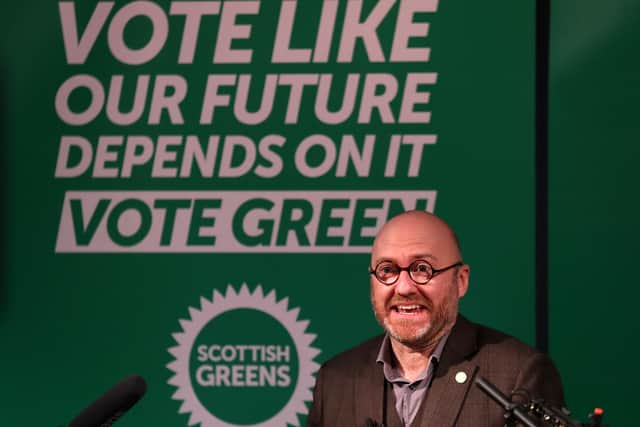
(428, 257)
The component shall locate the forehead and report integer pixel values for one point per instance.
(399, 249)
(414, 236)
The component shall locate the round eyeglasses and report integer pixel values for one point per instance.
(420, 271)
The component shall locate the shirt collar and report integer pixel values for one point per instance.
(390, 368)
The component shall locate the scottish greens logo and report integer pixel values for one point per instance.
(243, 359)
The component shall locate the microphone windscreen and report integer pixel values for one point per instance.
(111, 405)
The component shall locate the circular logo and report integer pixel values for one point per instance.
(246, 350)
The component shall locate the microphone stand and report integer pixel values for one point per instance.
(534, 413)
(512, 410)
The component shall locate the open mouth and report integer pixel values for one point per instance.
(408, 308)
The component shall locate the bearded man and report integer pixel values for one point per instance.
(421, 372)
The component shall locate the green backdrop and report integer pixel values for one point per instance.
(94, 290)
(593, 211)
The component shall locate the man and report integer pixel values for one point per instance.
(421, 372)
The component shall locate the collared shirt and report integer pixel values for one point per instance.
(409, 394)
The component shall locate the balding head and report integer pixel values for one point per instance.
(416, 231)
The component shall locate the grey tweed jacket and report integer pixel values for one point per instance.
(349, 387)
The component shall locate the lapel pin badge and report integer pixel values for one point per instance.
(461, 377)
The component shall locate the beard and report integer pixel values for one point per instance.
(408, 332)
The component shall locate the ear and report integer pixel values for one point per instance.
(463, 280)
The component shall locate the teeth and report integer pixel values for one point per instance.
(408, 307)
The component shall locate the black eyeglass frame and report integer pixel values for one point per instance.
(434, 271)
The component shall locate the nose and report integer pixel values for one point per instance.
(405, 285)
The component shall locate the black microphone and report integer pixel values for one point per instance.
(113, 404)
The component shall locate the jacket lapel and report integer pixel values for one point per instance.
(448, 389)
(453, 378)
(369, 388)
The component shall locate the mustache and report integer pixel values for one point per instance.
(426, 302)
